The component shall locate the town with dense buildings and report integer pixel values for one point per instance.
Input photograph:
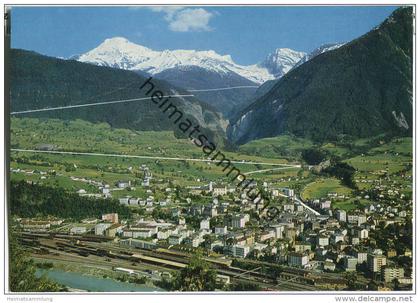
(308, 243)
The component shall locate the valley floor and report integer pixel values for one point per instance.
(180, 199)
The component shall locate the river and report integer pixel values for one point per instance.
(91, 283)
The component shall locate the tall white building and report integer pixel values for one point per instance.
(322, 240)
(205, 224)
(101, 227)
(376, 262)
(238, 221)
(220, 230)
(391, 273)
(363, 233)
(240, 251)
(350, 263)
(297, 259)
(341, 215)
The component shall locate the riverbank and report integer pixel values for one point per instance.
(88, 278)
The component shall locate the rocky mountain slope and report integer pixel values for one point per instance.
(360, 89)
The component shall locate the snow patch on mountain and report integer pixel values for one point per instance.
(281, 61)
(400, 119)
(318, 51)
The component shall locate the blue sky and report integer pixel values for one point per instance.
(248, 34)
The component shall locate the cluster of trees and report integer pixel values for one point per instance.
(22, 269)
(344, 172)
(338, 169)
(161, 214)
(197, 276)
(131, 279)
(313, 156)
(193, 221)
(33, 200)
(271, 269)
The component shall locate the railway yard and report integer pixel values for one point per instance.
(103, 253)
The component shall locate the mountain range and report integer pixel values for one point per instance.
(121, 53)
(196, 70)
(361, 89)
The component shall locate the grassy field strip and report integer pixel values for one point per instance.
(271, 169)
(151, 157)
(321, 188)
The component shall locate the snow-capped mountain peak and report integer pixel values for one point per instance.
(121, 53)
(118, 52)
(281, 61)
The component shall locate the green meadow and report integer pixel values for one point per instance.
(372, 159)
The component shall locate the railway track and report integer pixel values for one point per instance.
(78, 248)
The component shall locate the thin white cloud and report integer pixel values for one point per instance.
(181, 19)
(191, 19)
(169, 11)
